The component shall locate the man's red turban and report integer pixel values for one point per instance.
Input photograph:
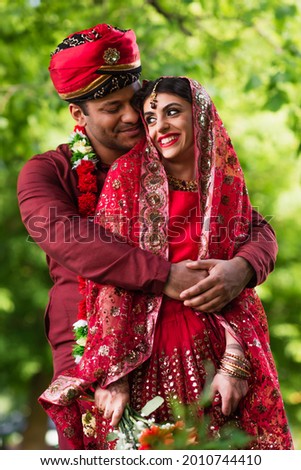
(94, 62)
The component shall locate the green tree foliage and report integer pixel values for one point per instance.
(247, 55)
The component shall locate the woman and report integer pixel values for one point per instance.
(180, 194)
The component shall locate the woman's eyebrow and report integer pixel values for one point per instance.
(147, 113)
(171, 104)
(164, 108)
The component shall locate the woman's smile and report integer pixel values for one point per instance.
(168, 140)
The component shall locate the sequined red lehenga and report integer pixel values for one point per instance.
(162, 345)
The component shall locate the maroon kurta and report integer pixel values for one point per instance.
(47, 193)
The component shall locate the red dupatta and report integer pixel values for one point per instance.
(134, 205)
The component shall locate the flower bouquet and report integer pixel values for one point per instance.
(133, 425)
(191, 429)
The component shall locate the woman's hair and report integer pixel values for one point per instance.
(173, 85)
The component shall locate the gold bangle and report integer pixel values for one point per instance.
(235, 356)
(239, 359)
(234, 366)
(237, 370)
(244, 364)
(224, 371)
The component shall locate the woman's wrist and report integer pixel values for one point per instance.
(235, 348)
(234, 364)
(120, 385)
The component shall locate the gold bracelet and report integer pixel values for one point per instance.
(234, 366)
(231, 366)
(237, 358)
(237, 362)
(225, 371)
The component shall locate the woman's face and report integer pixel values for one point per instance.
(170, 126)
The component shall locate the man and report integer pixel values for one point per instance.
(97, 71)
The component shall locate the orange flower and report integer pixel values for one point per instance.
(154, 436)
(179, 425)
(151, 432)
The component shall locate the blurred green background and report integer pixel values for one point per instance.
(248, 57)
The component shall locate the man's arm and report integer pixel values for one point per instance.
(52, 220)
(251, 265)
(261, 250)
(51, 217)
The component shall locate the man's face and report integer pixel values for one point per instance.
(112, 124)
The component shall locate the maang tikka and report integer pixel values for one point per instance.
(153, 96)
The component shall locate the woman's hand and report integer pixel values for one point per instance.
(113, 399)
(231, 390)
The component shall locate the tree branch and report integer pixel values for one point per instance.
(170, 17)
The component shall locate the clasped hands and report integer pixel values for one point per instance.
(208, 285)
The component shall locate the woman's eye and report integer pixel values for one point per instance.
(150, 120)
(172, 112)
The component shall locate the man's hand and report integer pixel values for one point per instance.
(113, 399)
(181, 277)
(224, 281)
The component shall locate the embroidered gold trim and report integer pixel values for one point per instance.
(99, 80)
(123, 67)
(76, 94)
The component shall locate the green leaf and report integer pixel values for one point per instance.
(112, 436)
(80, 332)
(285, 10)
(276, 101)
(78, 350)
(152, 405)
(253, 83)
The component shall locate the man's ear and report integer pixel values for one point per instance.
(77, 114)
